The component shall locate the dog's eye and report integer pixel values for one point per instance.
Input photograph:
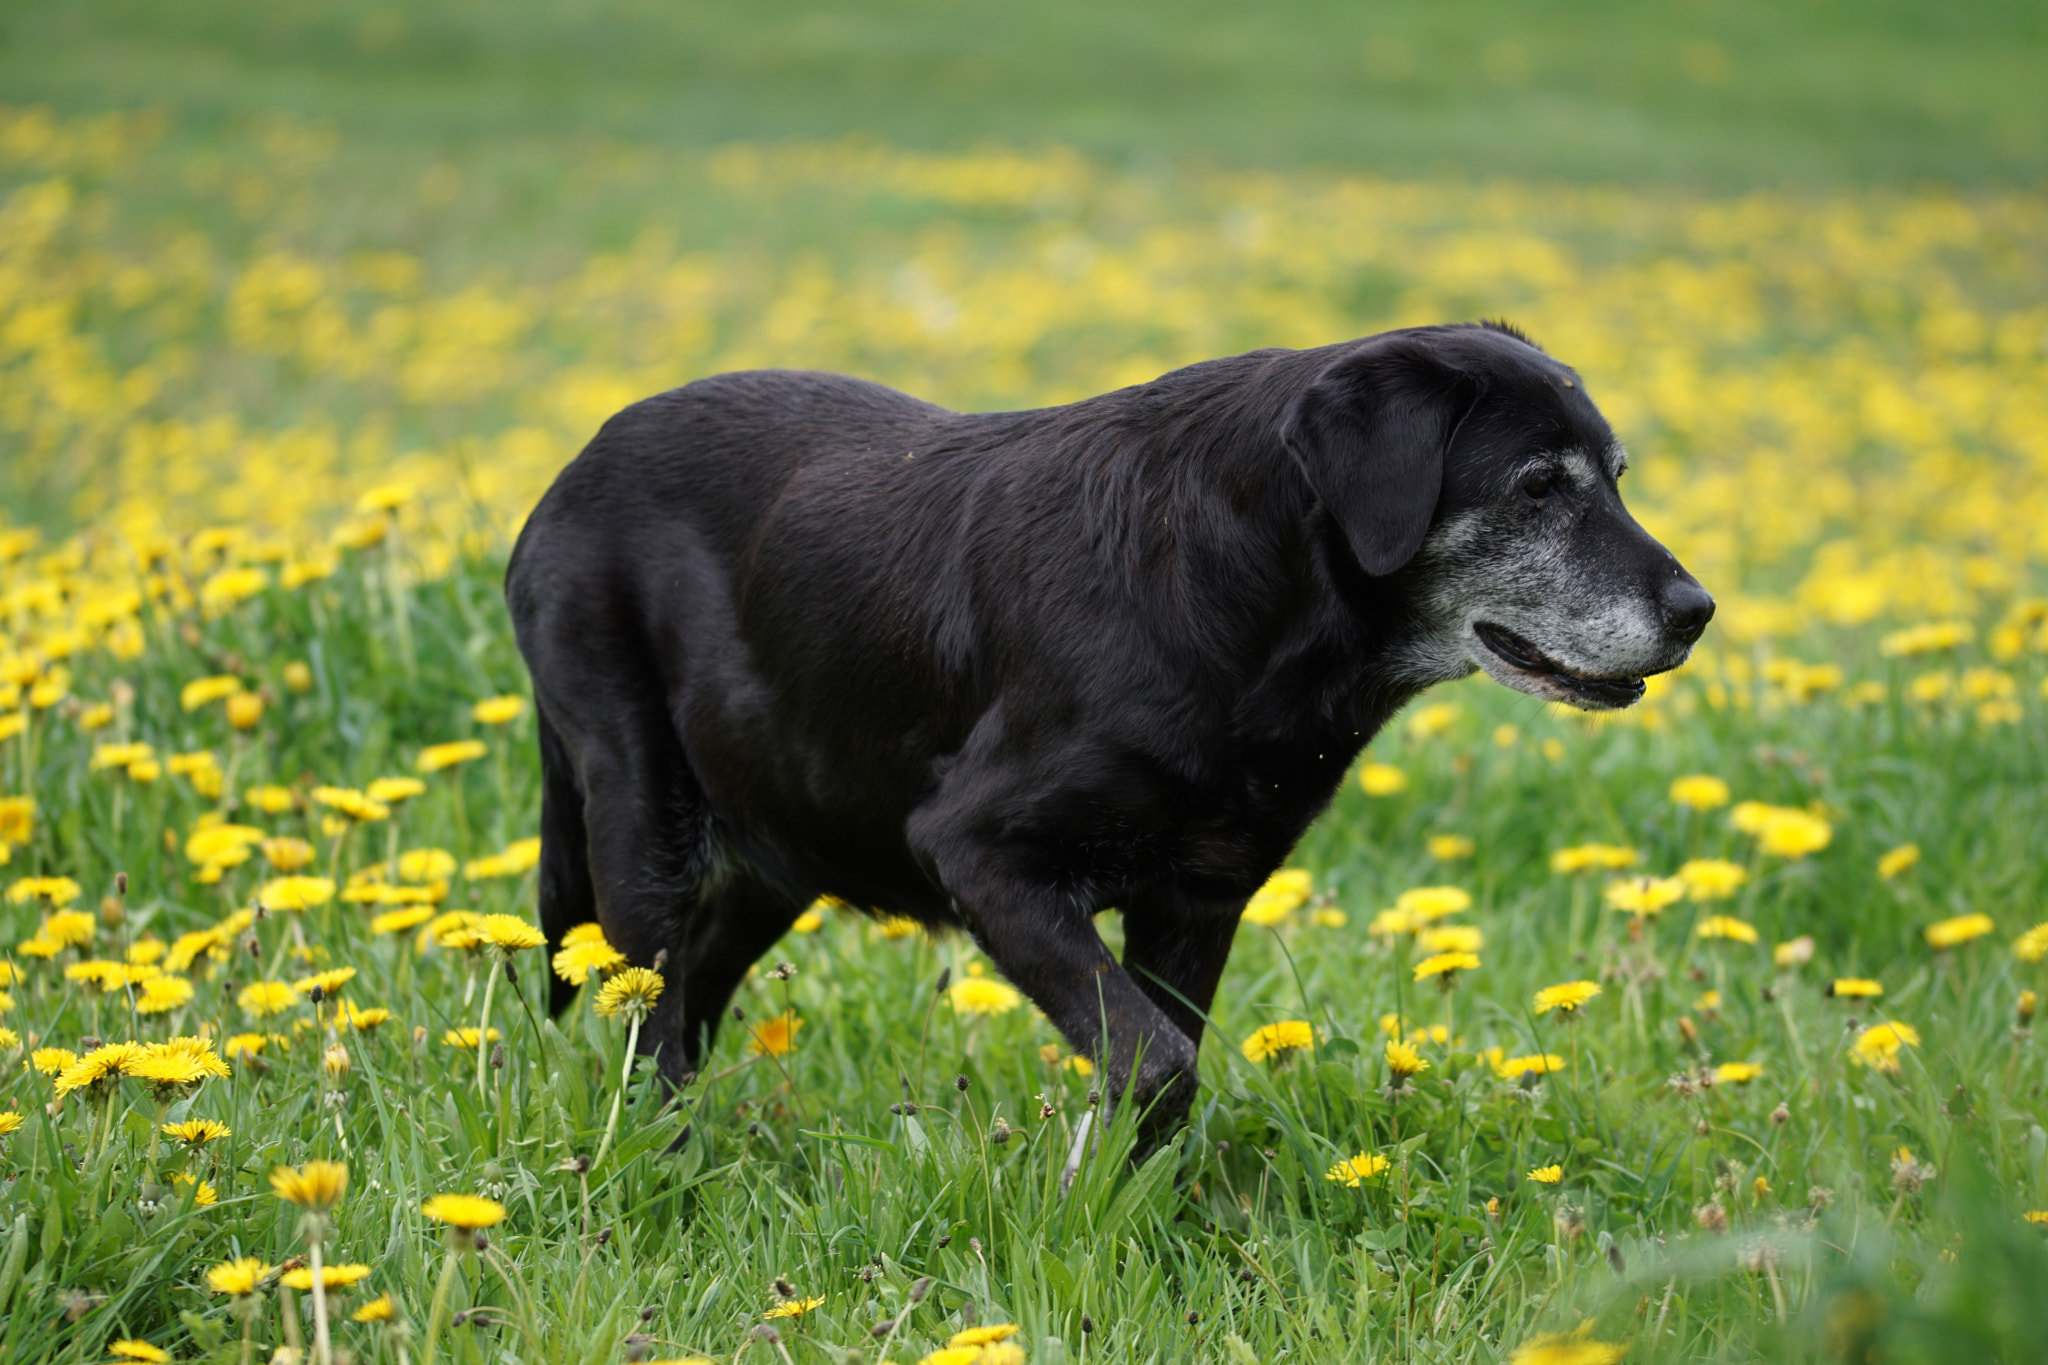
(1539, 484)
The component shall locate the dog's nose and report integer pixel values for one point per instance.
(1687, 608)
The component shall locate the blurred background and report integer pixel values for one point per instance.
(261, 255)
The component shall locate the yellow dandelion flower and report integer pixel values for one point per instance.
(509, 933)
(981, 995)
(138, 1350)
(57, 891)
(587, 932)
(17, 819)
(398, 921)
(774, 1037)
(1382, 779)
(1452, 938)
(204, 1195)
(361, 1020)
(1270, 1040)
(1568, 997)
(354, 804)
(1879, 1046)
(241, 1275)
(983, 1336)
(176, 1062)
(1425, 903)
(1897, 860)
(1591, 858)
(1353, 1171)
(1793, 833)
(202, 691)
(1546, 1175)
(518, 857)
(1951, 933)
(1283, 891)
(470, 1211)
(106, 1064)
(10, 1122)
(327, 982)
(426, 865)
(161, 994)
(1854, 988)
(294, 893)
(1700, 792)
(498, 710)
(197, 1132)
(52, 1061)
(1712, 879)
(1737, 1073)
(1536, 1063)
(631, 992)
(2032, 946)
(1446, 966)
(435, 757)
(273, 800)
(1795, 952)
(793, 1308)
(1404, 1060)
(1450, 848)
(1430, 721)
(1728, 927)
(466, 1038)
(391, 791)
(331, 1277)
(1644, 896)
(1567, 1349)
(315, 1185)
(244, 1045)
(379, 1309)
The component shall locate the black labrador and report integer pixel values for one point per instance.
(793, 633)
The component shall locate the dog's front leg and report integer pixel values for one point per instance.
(1046, 943)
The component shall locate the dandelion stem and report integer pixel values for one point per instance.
(483, 1031)
(323, 1347)
(439, 1310)
(611, 1125)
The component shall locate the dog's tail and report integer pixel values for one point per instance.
(566, 896)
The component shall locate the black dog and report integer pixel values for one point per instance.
(793, 633)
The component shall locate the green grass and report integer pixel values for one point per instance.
(1229, 1245)
(1725, 94)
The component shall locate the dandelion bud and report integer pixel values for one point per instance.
(2027, 1002)
(945, 980)
(882, 1328)
(1688, 1030)
(739, 1016)
(579, 1164)
(252, 947)
(481, 1239)
(960, 1083)
(604, 1237)
(784, 1288)
(945, 1240)
(647, 1313)
(636, 1347)
(999, 1133)
(768, 1334)
(511, 972)
(1193, 1318)
(1245, 1276)
(1781, 1115)
(921, 1288)
(497, 1056)
(461, 1318)
(120, 883)
(1087, 1324)
(90, 1042)
(1045, 1110)
(1611, 1249)
(1094, 1098)
(875, 1258)
(1703, 1128)
(315, 994)
(1711, 1216)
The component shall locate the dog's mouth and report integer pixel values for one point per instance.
(1525, 658)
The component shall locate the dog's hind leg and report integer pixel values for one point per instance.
(737, 922)
(566, 896)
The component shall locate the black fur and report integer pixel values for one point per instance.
(793, 633)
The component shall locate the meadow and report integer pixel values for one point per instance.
(1698, 1032)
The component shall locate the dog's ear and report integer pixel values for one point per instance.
(1370, 433)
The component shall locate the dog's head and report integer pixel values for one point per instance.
(1474, 467)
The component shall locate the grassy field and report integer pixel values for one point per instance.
(291, 340)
